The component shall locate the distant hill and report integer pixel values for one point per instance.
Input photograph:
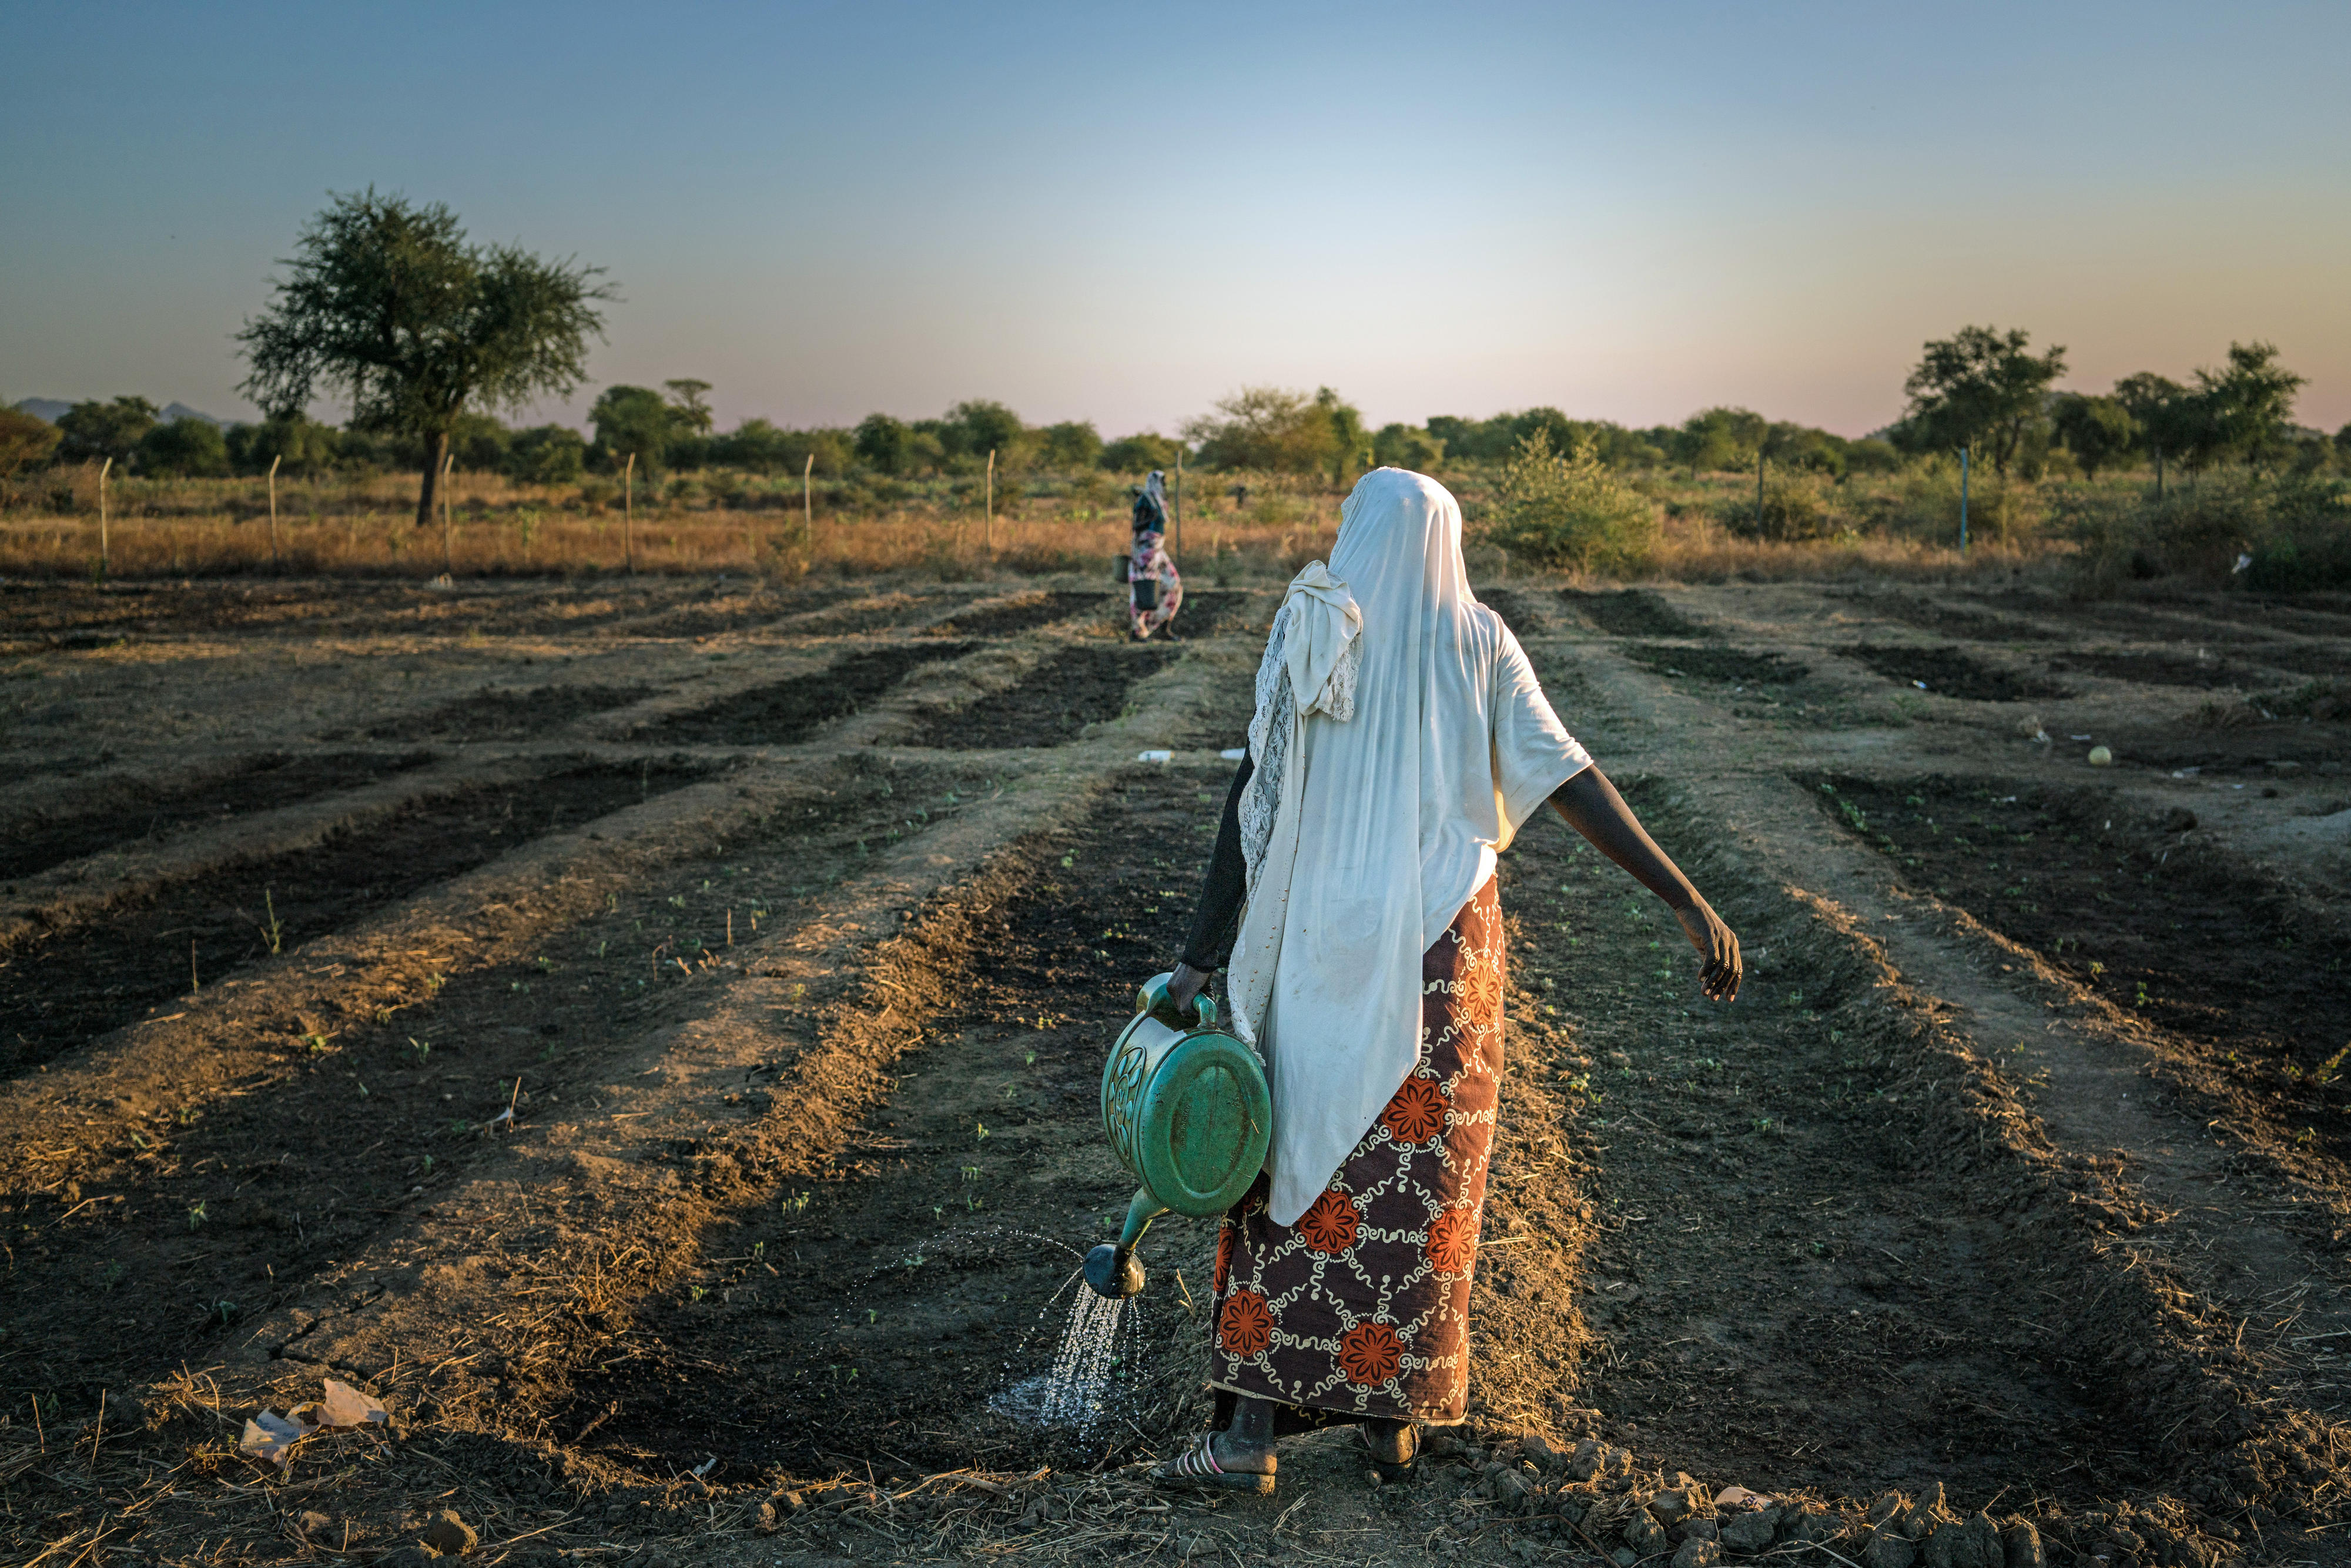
(52, 408)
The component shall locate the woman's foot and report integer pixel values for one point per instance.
(1217, 1462)
(1239, 1459)
(1238, 1454)
(1394, 1449)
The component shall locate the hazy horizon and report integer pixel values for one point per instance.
(826, 210)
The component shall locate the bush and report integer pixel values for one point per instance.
(546, 455)
(479, 443)
(761, 447)
(1069, 446)
(2304, 543)
(1925, 505)
(1569, 510)
(300, 446)
(2273, 533)
(25, 441)
(189, 449)
(96, 431)
(1792, 509)
(1403, 446)
(1140, 454)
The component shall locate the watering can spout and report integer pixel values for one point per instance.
(1186, 1112)
(1113, 1269)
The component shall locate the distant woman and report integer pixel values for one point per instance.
(1154, 592)
(1399, 742)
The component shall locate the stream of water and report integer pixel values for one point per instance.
(1079, 1391)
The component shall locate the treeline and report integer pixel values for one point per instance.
(1984, 390)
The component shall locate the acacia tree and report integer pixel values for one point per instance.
(389, 302)
(2249, 404)
(1980, 387)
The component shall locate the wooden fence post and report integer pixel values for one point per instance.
(1176, 523)
(103, 565)
(448, 553)
(274, 565)
(990, 523)
(808, 503)
(629, 514)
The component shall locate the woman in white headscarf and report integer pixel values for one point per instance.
(1399, 742)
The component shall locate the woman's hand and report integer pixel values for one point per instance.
(1187, 984)
(1718, 949)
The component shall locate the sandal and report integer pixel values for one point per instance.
(1393, 1472)
(1197, 1465)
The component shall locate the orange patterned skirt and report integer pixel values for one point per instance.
(1362, 1309)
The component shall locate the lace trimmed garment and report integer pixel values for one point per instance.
(1399, 739)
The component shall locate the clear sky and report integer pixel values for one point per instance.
(1119, 213)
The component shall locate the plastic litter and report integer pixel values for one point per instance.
(1155, 757)
(271, 1438)
(1234, 753)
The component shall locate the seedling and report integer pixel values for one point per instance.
(983, 1131)
(797, 1203)
(424, 1048)
(1030, 1059)
(275, 932)
(759, 1251)
(195, 1214)
(697, 1291)
(428, 1165)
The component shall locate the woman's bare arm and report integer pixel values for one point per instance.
(1592, 807)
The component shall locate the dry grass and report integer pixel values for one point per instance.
(365, 526)
(1696, 549)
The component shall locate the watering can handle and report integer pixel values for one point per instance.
(1153, 998)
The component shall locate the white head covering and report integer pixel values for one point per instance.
(1156, 487)
(1400, 739)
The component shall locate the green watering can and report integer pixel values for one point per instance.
(1189, 1114)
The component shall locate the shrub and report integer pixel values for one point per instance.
(189, 449)
(301, 446)
(2273, 533)
(1569, 510)
(1792, 509)
(546, 455)
(1925, 505)
(25, 441)
(1139, 454)
(1402, 446)
(1069, 445)
(95, 431)
(479, 443)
